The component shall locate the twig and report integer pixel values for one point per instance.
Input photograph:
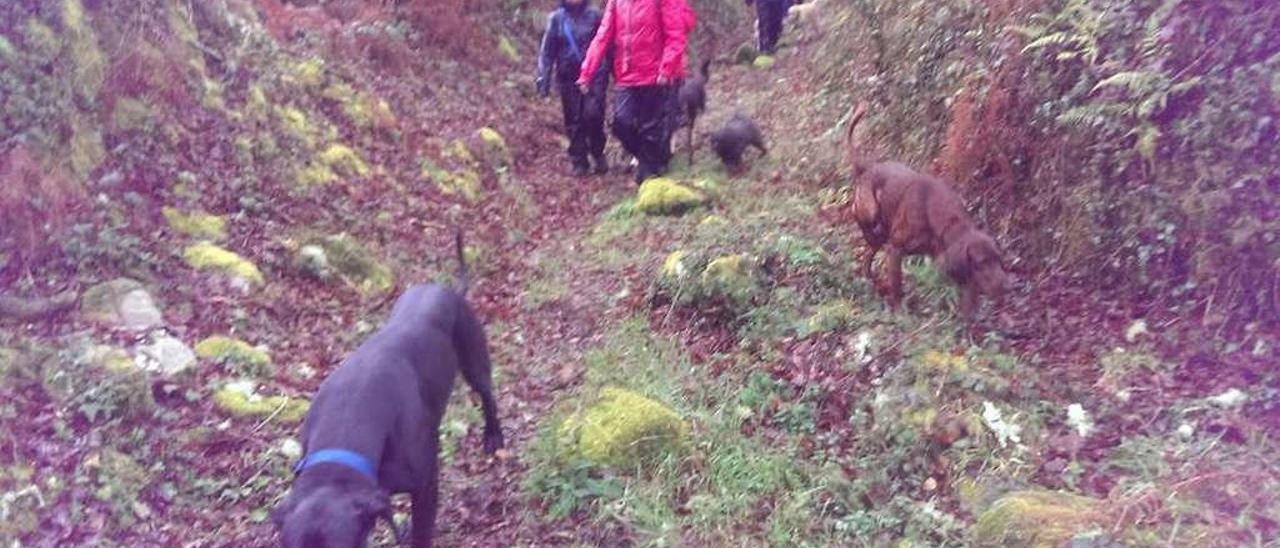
(271, 416)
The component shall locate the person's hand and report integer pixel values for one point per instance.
(663, 80)
(584, 88)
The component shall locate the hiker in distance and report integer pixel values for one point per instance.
(570, 29)
(647, 39)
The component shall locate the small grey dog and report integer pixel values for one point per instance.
(373, 428)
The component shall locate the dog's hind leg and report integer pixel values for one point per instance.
(693, 118)
(473, 354)
(893, 273)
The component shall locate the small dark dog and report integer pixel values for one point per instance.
(693, 99)
(911, 213)
(731, 141)
(373, 428)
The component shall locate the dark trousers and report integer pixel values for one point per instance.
(583, 123)
(769, 16)
(643, 121)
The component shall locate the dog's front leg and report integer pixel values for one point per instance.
(868, 257)
(425, 500)
(968, 302)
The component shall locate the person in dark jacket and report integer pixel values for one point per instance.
(564, 45)
(769, 17)
(647, 40)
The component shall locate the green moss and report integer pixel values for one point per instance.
(86, 150)
(315, 175)
(663, 196)
(310, 73)
(243, 358)
(256, 105)
(731, 275)
(196, 224)
(244, 150)
(239, 399)
(763, 62)
(673, 267)
(344, 161)
(713, 221)
(206, 256)
(1037, 519)
(87, 63)
(457, 150)
(41, 41)
(130, 114)
(495, 147)
(830, 317)
(295, 124)
(99, 382)
(464, 181)
(355, 263)
(623, 429)
(508, 49)
(7, 52)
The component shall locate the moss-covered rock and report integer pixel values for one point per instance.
(663, 196)
(344, 161)
(493, 147)
(623, 429)
(196, 224)
(829, 317)
(731, 276)
(129, 114)
(206, 256)
(713, 221)
(464, 182)
(99, 382)
(121, 303)
(1037, 519)
(241, 399)
(309, 73)
(315, 174)
(352, 262)
(294, 123)
(763, 62)
(256, 106)
(508, 49)
(673, 268)
(236, 354)
(165, 354)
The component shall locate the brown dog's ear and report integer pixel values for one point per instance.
(956, 263)
(866, 205)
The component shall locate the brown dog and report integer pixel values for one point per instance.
(911, 213)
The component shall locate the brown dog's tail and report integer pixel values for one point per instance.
(857, 160)
(462, 262)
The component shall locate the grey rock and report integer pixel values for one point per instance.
(165, 354)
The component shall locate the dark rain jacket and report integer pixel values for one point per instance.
(557, 60)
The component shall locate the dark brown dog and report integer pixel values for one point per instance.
(910, 213)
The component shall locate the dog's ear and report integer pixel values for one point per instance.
(866, 206)
(956, 262)
(371, 503)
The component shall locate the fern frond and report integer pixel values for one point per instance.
(1133, 81)
(1048, 40)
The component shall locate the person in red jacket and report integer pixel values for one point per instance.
(647, 39)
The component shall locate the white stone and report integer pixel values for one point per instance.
(165, 354)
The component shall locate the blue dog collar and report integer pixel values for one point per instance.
(350, 459)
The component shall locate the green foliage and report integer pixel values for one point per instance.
(235, 354)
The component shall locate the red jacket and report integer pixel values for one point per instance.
(647, 38)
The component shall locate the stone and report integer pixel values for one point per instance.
(164, 354)
(623, 429)
(664, 196)
(121, 303)
(1038, 519)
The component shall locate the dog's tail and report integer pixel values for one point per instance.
(857, 160)
(463, 279)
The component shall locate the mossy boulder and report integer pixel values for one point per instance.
(664, 196)
(315, 174)
(493, 147)
(129, 114)
(240, 356)
(241, 399)
(464, 182)
(1038, 519)
(344, 161)
(121, 303)
(674, 268)
(206, 256)
(196, 224)
(623, 429)
(342, 257)
(309, 74)
(830, 316)
(508, 49)
(763, 62)
(732, 276)
(98, 382)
